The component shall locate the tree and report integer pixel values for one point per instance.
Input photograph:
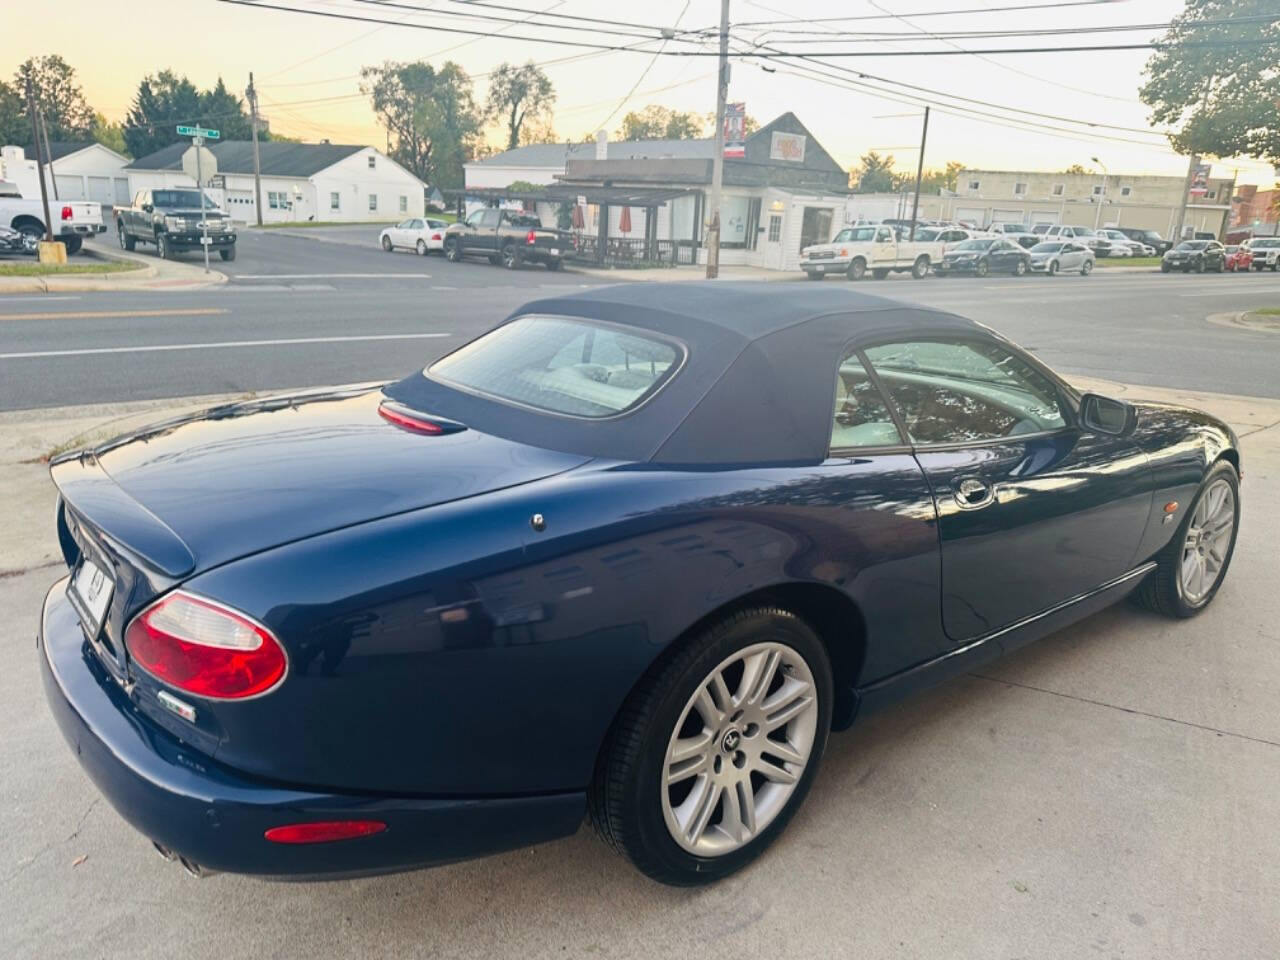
(1075, 169)
(162, 102)
(1220, 90)
(225, 112)
(14, 127)
(517, 94)
(66, 114)
(110, 135)
(933, 181)
(656, 122)
(874, 174)
(430, 115)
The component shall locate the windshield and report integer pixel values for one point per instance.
(180, 198)
(575, 367)
(981, 243)
(1040, 228)
(1193, 244)
(523, 220)
(1260, 244)
(855, 235)
(1046, 248)
(926, 234)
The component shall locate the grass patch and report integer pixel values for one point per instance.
(1267, 311)
(33, 269)
(1128, 262)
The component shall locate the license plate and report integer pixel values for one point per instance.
(555, 251)
(91, 589)
(205, 241)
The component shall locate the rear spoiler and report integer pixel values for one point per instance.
(90, 492)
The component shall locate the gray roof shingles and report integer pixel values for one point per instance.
(236, 156)
(555, 154)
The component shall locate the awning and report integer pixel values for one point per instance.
(569, 193)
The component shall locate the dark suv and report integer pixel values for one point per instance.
(1150, 237)
(171, 219)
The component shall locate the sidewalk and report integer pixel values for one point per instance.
(153, 274)
(735, 273)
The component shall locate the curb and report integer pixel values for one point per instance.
(151, 275)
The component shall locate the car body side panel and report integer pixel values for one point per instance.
(456, 651)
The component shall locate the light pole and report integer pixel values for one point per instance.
(1097, 214)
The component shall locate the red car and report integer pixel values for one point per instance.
(1238, 258)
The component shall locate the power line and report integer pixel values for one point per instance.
(930, 13)
(871, 36)
(643, 73)
(560, 16)
(528, 21)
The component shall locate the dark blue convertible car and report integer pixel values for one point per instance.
(631, 554)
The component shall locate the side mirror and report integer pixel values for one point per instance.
(148, 207)
(1106, 415)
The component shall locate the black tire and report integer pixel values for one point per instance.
(920, 269)
(126, 239)
(1275, 266)
(495, 258)
(1053, 268)
(1200, 265)
(624, 799)
(386, 245)
(1165, 268)
(510, 256)
(73, 245)
(1222, 265)
(555, 263)
(163, 250)
(982, 269)
(421, 247)
(814, 275)
(1086, 268)
(1020, 268)
(452, 250)
(227, 254)
(857, 269)
(879, 273)
(1161, 590)
(29, 229)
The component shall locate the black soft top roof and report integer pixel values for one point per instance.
(757, 385)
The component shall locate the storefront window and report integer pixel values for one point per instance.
(739, 222)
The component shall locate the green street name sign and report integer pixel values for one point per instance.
(199, 132)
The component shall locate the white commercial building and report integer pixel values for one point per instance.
(81, 171)
(300, 181)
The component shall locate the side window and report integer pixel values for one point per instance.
(491, 218)
(862, 418)
(883, 235)
(965, 391)
(474, 220)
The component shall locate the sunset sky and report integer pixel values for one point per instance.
(307, 69)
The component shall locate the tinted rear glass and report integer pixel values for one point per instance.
(574, 367)
(1047, 247)
(178, 198)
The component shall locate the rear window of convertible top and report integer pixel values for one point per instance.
(572, 367)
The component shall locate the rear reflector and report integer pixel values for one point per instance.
(531, 238)
(67, 214)
(204, 648)
(324, 831)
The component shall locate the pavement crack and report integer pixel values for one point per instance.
(1140, 713)
(1259, 429)
(5, 574)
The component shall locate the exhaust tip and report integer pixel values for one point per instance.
(194, 868)
(165, 852)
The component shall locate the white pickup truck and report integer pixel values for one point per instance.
(874, 247)
(73, 220)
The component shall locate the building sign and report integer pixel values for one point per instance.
(1200, 180)
(735, 129)
(787, 146)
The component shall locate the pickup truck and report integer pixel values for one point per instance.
(170, 218)
(73, 220)
(509, 237)
(874, 247)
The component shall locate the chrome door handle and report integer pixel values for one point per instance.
(972, 493)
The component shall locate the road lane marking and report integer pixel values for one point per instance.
(109, 314)
(331, 276)
(32, 297)
(436, 286)
(1233, 293)
(220, 345)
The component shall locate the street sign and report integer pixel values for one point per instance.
(199, 132)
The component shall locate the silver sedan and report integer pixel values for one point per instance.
(1056, 256)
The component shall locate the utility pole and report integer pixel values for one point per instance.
(53, 179)
(35, 136)
(1106, 175)
(1186, 194)
(1231, 205)
(717, 162)
(915, 204)
(252, 94)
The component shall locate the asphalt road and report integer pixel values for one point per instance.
(301, 312)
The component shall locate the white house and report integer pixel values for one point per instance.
(81, 171)
(300, 181)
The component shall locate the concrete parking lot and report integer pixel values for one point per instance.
(1112, 791)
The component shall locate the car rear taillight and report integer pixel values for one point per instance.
(415, 420)
(205, 648)
(531, 238)
(437, 236)
(324, 831)
(66, 213)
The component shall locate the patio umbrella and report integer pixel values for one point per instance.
(577, 217)
(624, 221)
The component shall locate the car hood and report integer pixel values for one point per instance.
(209, 212)
(240, 478)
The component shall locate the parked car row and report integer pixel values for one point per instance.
(508, 237)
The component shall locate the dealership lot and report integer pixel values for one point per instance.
(1111, 791)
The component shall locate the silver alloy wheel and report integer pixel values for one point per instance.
(741, 745)
(1204, 551)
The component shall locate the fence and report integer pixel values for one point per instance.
(638, 252)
